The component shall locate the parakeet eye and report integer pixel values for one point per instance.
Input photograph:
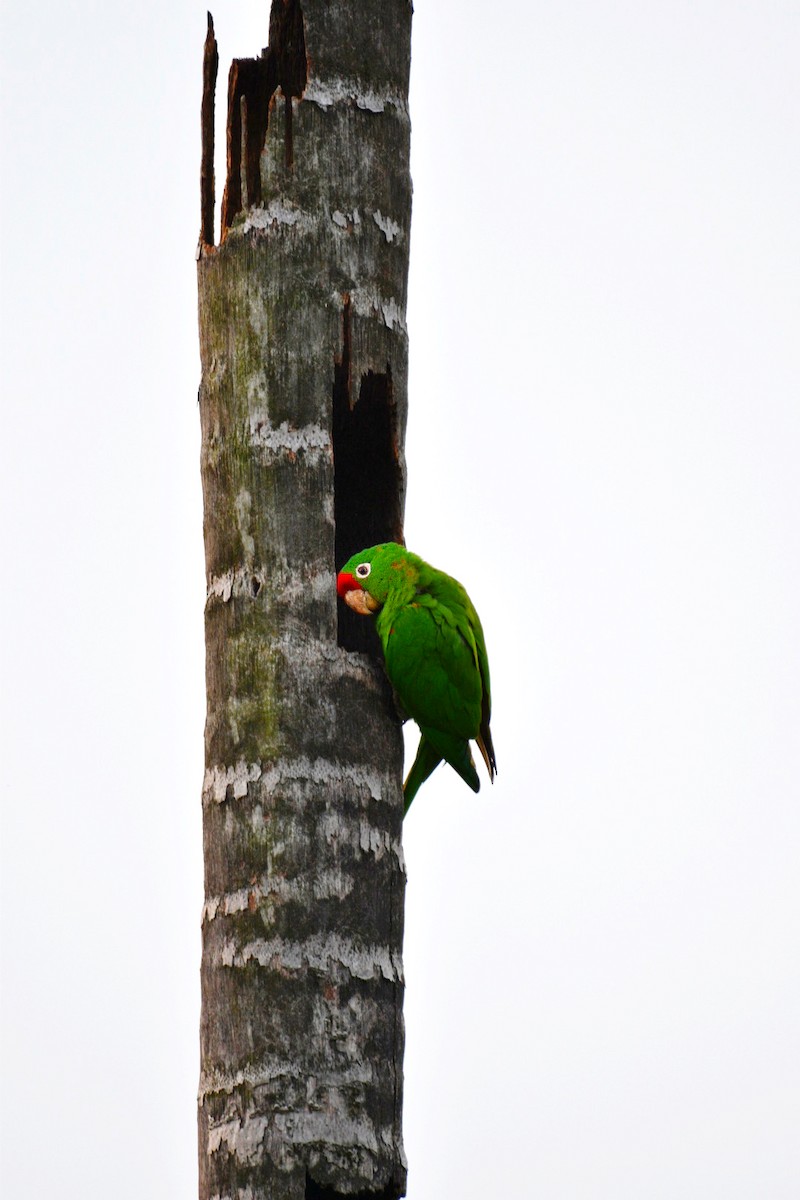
(363, 570)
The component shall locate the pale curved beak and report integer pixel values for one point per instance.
(361, 602)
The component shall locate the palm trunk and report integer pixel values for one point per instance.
(303, 404)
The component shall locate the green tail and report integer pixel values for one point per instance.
(426, 761)
(433, 747)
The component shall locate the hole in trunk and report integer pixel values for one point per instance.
(367, 476)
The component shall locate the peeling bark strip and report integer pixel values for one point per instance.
(303, 405)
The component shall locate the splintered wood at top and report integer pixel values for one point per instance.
(210, 67)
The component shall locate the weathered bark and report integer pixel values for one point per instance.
(303, 404)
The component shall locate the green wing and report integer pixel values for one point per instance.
(436, 660)
(450, 592)
(432, 662)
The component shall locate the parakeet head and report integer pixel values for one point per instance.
(367, 578)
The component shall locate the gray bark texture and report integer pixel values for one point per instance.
(303, 403)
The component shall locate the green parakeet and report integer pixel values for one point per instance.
(434, 652)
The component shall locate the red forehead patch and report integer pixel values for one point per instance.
(346, 583)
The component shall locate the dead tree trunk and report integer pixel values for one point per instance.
(303, 404)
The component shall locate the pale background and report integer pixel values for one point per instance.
(602, 951)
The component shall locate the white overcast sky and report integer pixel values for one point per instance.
(602, 952)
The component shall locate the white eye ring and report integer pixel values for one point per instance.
(363, 570)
